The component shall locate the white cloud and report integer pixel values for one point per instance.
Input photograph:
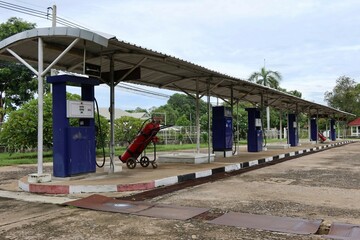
(311, 42)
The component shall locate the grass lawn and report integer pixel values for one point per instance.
(8, 159)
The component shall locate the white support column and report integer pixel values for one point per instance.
(40, 106)
(309, 128)
(268, 118)
(197, 118)
(280, 127)
(209, 124)
(317, 126)
(112, 115)
(39, 176)
(287, 129)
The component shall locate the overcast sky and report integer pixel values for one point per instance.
(310, 42)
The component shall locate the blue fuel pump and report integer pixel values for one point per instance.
(222, 130)
(255, 133)
(332, 130)
(73, 146)
(293, 132)
(313, 130)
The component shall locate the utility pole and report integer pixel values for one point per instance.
(54, 16)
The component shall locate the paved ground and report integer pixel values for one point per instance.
(323, 185)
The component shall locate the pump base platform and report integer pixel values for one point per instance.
(116, 167)
(39, 178)
(223, 153)
(146, 178)
(194, 158)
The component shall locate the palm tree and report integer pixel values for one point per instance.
(267, 78)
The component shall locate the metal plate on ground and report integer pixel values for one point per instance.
(102, 203)
(270, 223)
(172, 212)
(344, 231)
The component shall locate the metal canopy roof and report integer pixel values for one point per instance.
(147, 67)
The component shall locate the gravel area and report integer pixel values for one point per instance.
(317, 186)
(55, 222)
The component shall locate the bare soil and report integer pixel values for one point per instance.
(317, 186)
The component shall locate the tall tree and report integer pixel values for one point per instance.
(181, 105)
(296, 93)
(345, 95)
(267, 78)
(16, 81)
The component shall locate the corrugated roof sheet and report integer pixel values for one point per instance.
(156, 69)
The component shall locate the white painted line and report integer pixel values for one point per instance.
(281, 156)
(253, 163)
(301, 151)
(92, 188)
(201, 174)
(269, 159)
(292, 154)
(166, 181)
(234, 167)
(24, 186)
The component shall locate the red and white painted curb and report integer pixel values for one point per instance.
(70, 189)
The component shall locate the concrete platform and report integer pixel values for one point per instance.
(278, 146)
(180, 157)
(166, 173)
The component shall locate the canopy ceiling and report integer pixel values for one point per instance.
(138, 65)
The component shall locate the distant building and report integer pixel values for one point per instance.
(355, 127)
(121, 113)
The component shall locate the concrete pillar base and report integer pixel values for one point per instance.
(223, 153)
(39, 178)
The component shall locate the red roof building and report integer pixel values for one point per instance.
(355, 127)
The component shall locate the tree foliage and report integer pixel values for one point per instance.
(296, 93)
(183, 121)
(17, 84)
(182, 107)
(13, 26)
(19, 132)
(266, 77)
(345, 95)
(126, 128)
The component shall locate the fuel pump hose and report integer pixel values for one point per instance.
(100, 135)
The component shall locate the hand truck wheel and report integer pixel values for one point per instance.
(144, 161)
(131, 163)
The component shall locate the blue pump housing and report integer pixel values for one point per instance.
(222, 128)
(73, 147)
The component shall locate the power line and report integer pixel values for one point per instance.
(142, 91)
(62, 21)
(39, 14)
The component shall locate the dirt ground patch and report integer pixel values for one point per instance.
(317, 186)
(323, 185)
(57, 222)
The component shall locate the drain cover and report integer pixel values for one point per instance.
(344, 231)
(102, 203)
(172, 212)
(270, 223)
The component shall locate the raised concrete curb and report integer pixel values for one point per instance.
(68, 189)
